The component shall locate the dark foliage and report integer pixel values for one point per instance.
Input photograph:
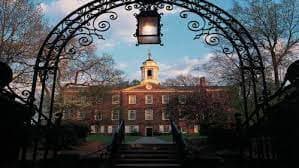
(73, 133)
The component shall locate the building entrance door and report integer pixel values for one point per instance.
(149, 131)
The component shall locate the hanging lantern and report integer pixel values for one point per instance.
(148, 27)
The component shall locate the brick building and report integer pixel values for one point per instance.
(143, 107)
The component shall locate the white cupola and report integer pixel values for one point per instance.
(149, 71)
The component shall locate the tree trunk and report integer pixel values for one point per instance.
(76, 77)
(275, 70)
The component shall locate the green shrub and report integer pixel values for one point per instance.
(222, 137)
(73, 133)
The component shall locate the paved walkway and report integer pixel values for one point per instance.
(149, 140)
(85, 148)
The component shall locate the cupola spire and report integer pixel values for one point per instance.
(149, 54)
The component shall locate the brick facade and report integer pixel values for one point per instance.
(99, 106)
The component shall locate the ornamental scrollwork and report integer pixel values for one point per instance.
(87, 24)
(86, 34)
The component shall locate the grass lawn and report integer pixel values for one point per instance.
(129, 139)
(194, 136)
(106, 139)
(167, 138)
(101, 138)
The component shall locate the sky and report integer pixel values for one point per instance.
(178, 56)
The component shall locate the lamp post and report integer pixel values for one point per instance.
(148, 27)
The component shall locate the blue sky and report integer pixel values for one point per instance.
(179, 54)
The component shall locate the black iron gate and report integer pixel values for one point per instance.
(85, 25)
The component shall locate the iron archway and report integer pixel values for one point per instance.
(83, 24)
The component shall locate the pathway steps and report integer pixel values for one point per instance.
(148, 152)
(150, 140)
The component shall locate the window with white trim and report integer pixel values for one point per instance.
(134, 128)
(183, 130)
(165, 99)
(102, 129)
(131, 114)
(127, 130)
(167, 128)
(93, 129)
(98, 116)
(131, 128)
(148, 114)
(161, 128)
(196, 128)
(165, 115)
(164, 128)
(115, 114)
(80, 115)
(116, 99)
(148, 99)
(110, 129)
(132, 99)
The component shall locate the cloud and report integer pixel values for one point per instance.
(43, 7)
(121, 30)
(135, 75)
(104, 44)
(124, 27)
(122, 65)
(185, 67)
(61, 8)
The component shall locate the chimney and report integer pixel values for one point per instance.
(202, 82)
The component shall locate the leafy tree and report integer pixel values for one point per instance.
(134, 82)
(202, 107)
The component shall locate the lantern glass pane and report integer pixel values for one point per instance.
(148, 26)
(148, 39)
